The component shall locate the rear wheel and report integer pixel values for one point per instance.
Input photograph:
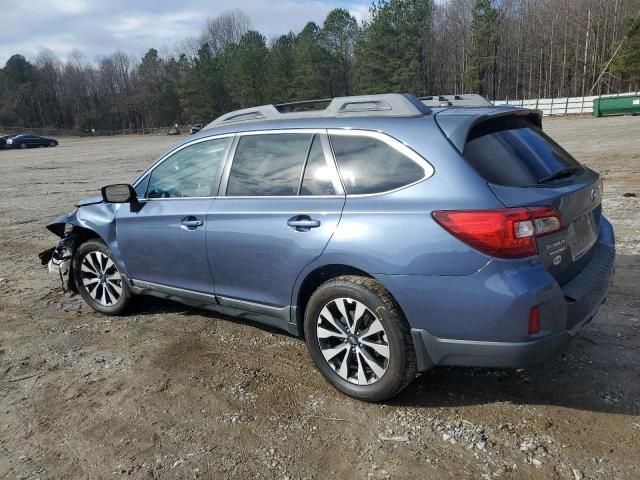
(359, 339)
(99, 280)
(23, 145)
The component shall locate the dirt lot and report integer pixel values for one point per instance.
(171, 392)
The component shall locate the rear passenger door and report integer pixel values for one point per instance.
(282, 203)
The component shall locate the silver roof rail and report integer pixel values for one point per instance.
(287, 107)
(383, 105)
(462, 100)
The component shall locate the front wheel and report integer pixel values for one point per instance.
(359, 339)
(99, 280)
(52, 144)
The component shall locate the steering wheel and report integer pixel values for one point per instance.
(159, 193)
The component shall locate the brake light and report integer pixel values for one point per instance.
(505, 232)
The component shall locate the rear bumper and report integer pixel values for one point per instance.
(431, 350)
(482, 319)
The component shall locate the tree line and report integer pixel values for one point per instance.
(502, 49)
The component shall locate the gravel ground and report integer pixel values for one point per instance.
(172, 392)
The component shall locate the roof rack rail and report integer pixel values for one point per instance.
(463, 100)
(286, 107)
(383, 105)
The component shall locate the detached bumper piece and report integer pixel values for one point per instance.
(58, 259)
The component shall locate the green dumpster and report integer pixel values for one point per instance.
(629, 105)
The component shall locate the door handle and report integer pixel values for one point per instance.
(303, 223)
(190, 223)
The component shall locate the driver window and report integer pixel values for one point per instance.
(190, 172)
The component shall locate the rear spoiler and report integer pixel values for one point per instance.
(457, 123)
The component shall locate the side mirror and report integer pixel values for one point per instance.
(119, 193)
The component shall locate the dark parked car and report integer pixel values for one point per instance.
(28, 141)
(391, 236)
(3, 141)
(195, 128)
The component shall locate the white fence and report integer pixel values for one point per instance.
(561, 106)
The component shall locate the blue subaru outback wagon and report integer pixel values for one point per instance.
(391, 235)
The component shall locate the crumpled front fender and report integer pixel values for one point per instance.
(99, 218)
(57, 226)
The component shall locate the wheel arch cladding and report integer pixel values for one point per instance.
(314, 278)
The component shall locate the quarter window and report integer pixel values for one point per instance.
(268, 165)
(189, 172)
(368, 165)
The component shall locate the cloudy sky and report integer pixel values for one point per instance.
(99, 27)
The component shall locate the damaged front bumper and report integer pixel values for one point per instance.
(92, 219)
(58, 259)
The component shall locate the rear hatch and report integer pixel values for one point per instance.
(525, 167)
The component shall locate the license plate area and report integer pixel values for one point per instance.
(581, 235)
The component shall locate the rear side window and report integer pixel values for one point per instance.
(317, 176)
(514, 152)
(368, 165)
(268, 165)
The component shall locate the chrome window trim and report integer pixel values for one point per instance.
(308, 131)
(394, 143)
(169, 154)
(279, 197)
(324, 134)
(174, 199)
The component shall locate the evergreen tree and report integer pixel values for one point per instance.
(204, 95)
(627, 63)
(279, 82)
(338, 36)
(484, 25)
(17, 107)
(169, 111)
(310, 66)
(391, 51)
(245, 65)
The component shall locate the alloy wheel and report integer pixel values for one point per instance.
(101, 278)
(353, 341)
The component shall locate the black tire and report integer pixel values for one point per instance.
(90, 250)
(402, 365)
(52, 144)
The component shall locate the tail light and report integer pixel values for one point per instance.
(505, 232)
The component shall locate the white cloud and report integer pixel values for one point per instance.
(360, 12)
(100, 28)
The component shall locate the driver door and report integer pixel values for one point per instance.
(163, 242)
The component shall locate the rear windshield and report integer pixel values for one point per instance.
(512, 151)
